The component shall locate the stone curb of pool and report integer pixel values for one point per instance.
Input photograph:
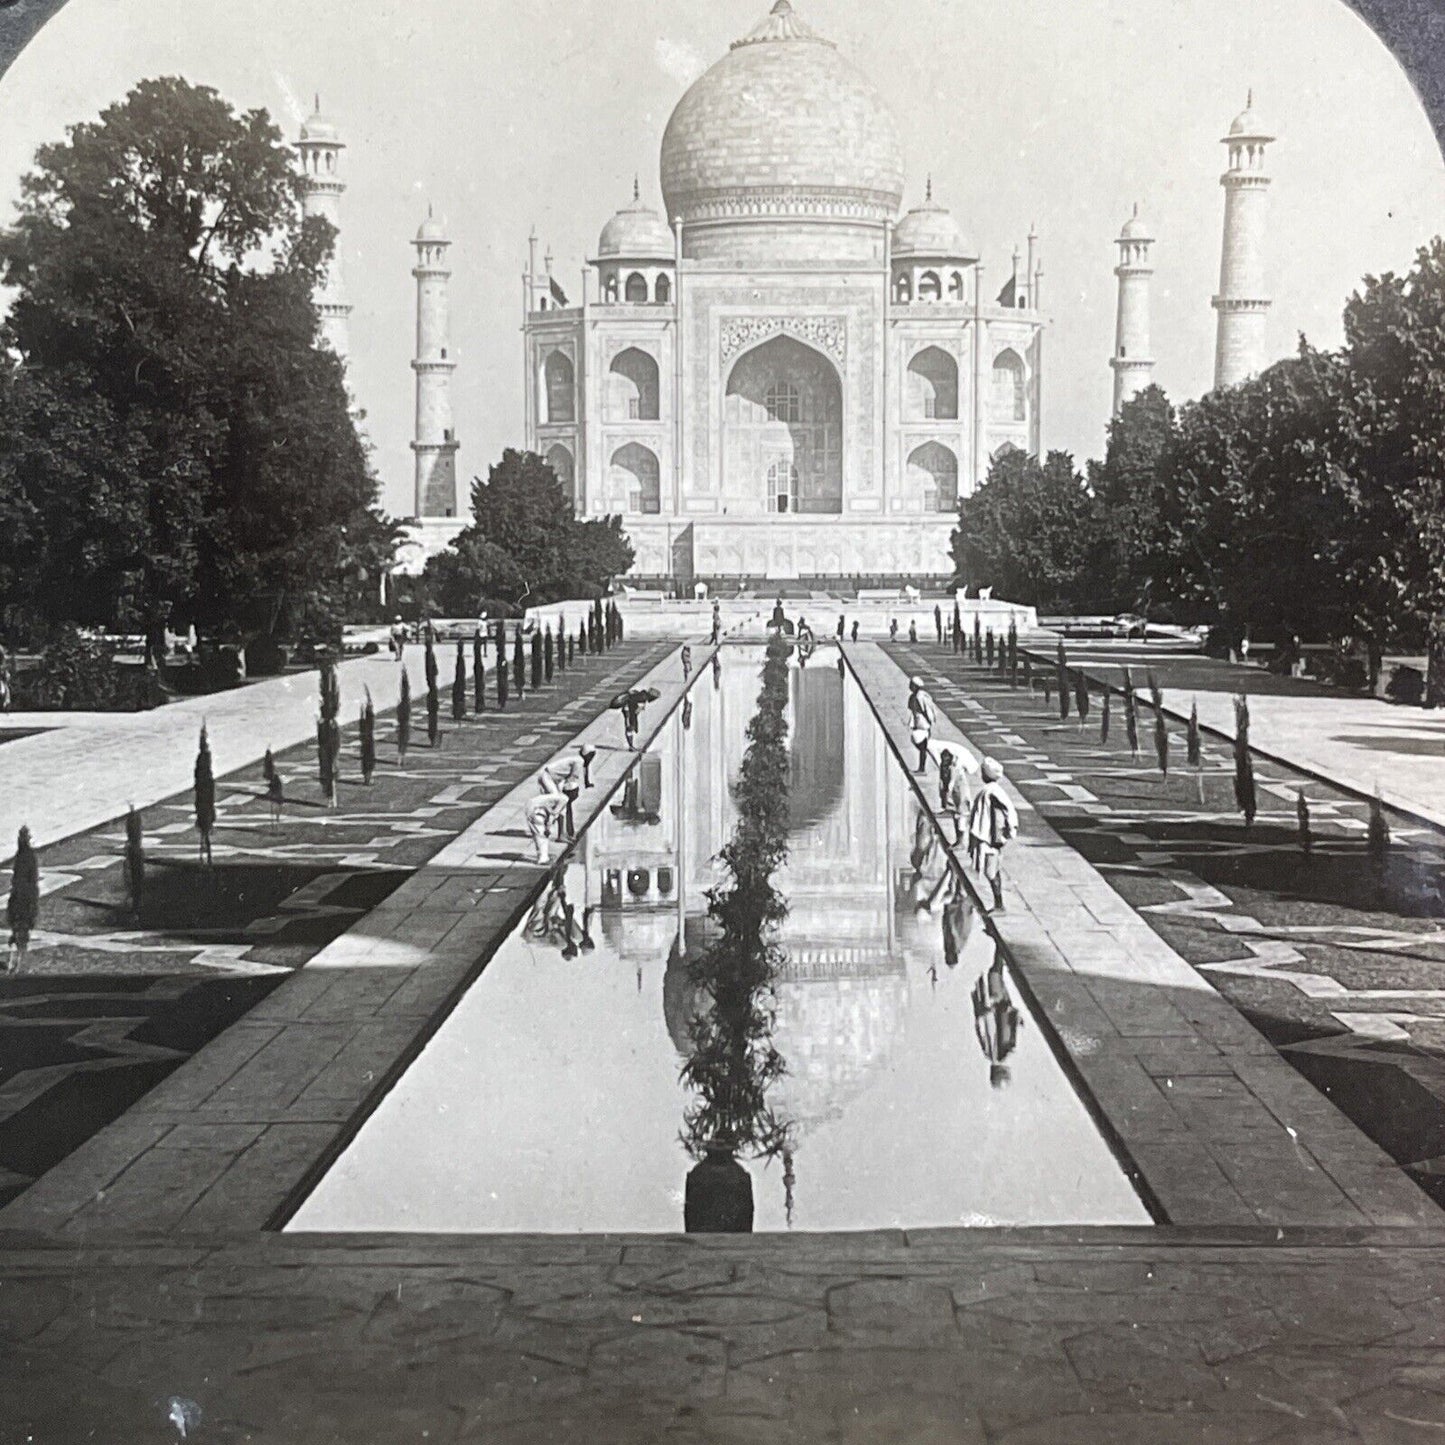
(1304, 1162)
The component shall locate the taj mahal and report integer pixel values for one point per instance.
(787, 380)
(783, 373)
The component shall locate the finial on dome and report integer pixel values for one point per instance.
(782, 7)
(636, 190)
(928, 188)
(317, 100)
(1249, 99)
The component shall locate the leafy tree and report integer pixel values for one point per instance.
(178, 443)
(1029, 531)
(1126, 485)
(525, 542)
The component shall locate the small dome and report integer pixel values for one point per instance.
(1247, 125)
(930, 230)
(318, 127)
(636, 233)
(431, 229)
(1135, 228)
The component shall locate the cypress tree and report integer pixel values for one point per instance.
(459, 687)
(1194, 748)
(977, 638)
(479, 673)
(1302, 816)
(134, 865)
(205, 794)
(403, 717)
(621, 627)
(957, 627)
(1104, 718)
(431, 661)
(1028, 673)
(519, 663)
(22, 911)
(268, 767)
(547, 654)
(536, 661)
(367, 733)
(988, 649)
(1161, 732)
(501, 681)
(1081, 696)
(1013, 653)
(1244, 790)
(433, 713)
(1378, 839)
(1063, 678)
(1131, 714)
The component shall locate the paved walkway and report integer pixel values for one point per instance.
(1218, 1127)
(64, 781)
(1358, 742)
(241, 1131)
(951, 1338)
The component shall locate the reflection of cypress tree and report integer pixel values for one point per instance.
(1195, 748)
(1161, 733)
(733, 1062)
(1302, 815)
(536, 661)
(1063, 677)
(1104, 717)
(403, 717)
(1013, 653)
(459, 687)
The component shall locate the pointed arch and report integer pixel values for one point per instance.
(932, 386)
(559, 458)
(637, 479)
(1010, 400)
(632, 386)
(559, 388)
(933, 470)
(636, 292)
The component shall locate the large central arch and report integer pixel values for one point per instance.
(783, 430)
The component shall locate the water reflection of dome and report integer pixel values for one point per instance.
(839, 1014)
(639, 935)
(815, 748)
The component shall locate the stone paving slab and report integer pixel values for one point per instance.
(995, 1335)
(1120, 999)
(305, 1067)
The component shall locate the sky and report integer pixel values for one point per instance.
(1063, 113)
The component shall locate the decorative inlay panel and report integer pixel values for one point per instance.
(828, 333)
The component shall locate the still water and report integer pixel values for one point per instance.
(917, 1088)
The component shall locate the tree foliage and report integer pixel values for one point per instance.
(175, 442)
(525, 543)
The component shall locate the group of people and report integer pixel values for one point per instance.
(993, 821)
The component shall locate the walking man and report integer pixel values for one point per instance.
(398, 637)
(922, 715)
(953, 789)
(854, 632)
(893, 629)
(686, 662)
(992, 822)
(716, 624)
(840, 627)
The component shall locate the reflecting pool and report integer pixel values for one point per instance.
(896, 1073)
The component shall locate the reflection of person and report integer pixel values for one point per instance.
(686, 662)
(921, 717)
(716, 671)
(995, 1021)
(992, 821)
(854, 631)
(686, 713)
(840, 627)
(719, 1195)
(957, 921)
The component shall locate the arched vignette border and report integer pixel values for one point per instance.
(1413, 31)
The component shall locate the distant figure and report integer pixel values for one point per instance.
(719, 1194)
(938, 621)
(893, 629)
(996, 1021)
(840, 627)
(953, 790)
(398, 638)
(854, 632)
(912, 630)
(992, 822)
(779, 617)
(716, 624)
(275, 795)
(686, 662)
(922, 715)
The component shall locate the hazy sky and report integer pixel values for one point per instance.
(1062, 112)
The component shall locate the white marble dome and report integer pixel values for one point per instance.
(636, 233)
(930, 231)
(782, 127)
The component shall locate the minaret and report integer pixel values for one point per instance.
(1242, 304)
(320, 148)
(1133, 366)
(436, 444)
